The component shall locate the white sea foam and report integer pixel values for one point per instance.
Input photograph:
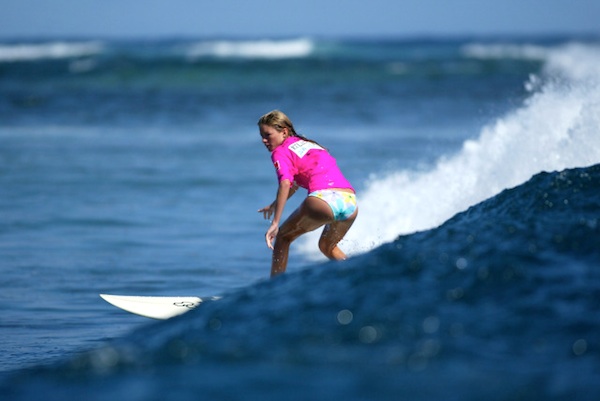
(51, 50)
(503, 51)
(575, 62)
(258, 49)
(558, 127)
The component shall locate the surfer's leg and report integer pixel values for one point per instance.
(333, 233)
(310, 215)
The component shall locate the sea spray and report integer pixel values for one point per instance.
(557, 127)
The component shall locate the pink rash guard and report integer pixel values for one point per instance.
(307, 164)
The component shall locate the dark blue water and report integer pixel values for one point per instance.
(500, 302)
(136, 168)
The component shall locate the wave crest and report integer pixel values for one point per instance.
(259, 49)
(52, 50)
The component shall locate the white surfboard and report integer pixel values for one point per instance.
(155, 307)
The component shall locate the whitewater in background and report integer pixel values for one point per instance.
(260, 49)
(10, 53)
(556, 128)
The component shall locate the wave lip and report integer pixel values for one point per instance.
(258, 49)
(51, 50)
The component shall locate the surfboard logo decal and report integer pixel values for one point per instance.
(185, 304)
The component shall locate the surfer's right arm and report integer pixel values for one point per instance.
(268, 211)
(284, 191)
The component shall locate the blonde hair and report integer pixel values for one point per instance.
(278, 120)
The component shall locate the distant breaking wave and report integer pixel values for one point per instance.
(53, 50)
(504, 51)
(259, 49)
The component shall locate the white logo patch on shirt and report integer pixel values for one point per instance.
(302, 147)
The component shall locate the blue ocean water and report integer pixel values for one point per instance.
(135, 167)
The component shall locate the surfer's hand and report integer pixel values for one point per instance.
(267, 211)
(271, 234)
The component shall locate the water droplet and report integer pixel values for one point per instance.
(345, 317)
(580, 347)
(368, 334)
(461, 263)
(431, 324)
